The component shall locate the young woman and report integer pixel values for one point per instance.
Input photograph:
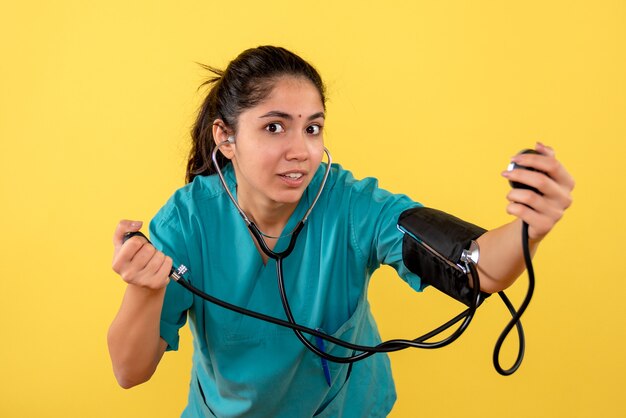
(266, 111)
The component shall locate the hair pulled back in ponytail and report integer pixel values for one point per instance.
(246, 82)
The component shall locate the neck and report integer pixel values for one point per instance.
(269, 217)
(270, 220)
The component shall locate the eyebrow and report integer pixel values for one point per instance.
(279, 114)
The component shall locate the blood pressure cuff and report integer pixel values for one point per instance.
(432, 247)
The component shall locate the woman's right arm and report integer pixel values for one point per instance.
(134, 340)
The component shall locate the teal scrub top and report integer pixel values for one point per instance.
(244, 367)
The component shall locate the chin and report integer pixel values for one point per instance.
(289, 197)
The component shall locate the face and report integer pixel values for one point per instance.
(278, 145)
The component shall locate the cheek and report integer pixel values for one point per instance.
(318, 153)
(262, 165)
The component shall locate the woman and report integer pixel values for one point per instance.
(266, 111)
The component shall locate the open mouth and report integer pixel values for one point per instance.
(292, 179)
(292, 176)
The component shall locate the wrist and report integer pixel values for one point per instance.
(144, 292)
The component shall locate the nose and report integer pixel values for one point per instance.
(297, 147)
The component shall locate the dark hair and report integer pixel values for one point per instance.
(247, 80)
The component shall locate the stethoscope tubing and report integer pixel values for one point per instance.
(298, 329)
(516, 315)
(384, 347)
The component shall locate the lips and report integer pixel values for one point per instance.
(292, 178)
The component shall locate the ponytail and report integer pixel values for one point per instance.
(202, 141)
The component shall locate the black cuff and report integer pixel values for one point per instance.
(432, 247)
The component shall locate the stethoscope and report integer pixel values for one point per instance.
(363, 352)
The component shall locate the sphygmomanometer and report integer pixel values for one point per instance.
(436, 246)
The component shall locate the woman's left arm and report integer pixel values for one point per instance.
(501, 257)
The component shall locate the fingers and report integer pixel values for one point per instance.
(539, 224)
(122, 228)
(155, 274)
(124, 256)
(141, 252)
(536, 202)
(137, 261)
(540, 211)
(544, 149)
(549, 187)
(546, 162)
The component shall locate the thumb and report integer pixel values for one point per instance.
(123, 227)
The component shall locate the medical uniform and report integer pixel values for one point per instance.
(244, 367)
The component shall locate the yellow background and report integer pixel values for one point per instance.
(431, 97)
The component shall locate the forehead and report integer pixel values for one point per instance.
(292, 94)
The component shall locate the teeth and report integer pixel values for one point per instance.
(293, 175)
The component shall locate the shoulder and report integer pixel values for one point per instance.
(202, 194)
(343, 184)
(341, 180)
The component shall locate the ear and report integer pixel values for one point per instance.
(221, 134)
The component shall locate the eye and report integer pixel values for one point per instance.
(275, 128)
(313, 129)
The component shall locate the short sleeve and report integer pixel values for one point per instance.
(374, 218)
(167, 236)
